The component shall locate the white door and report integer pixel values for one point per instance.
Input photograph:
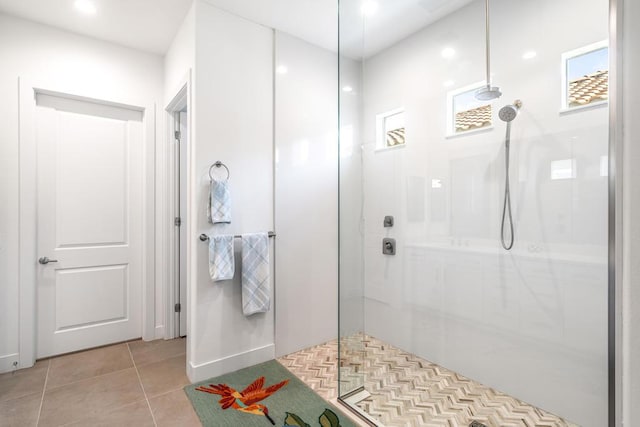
(89, 204)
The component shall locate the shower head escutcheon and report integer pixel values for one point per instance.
(487, 93)
(509, 112)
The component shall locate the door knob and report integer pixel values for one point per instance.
(46, 260)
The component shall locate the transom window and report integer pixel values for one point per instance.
(390, 129)
(585, 75)
(465, 113)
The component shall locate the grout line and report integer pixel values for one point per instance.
(164, 359)
(90, 378)
(173, 390)
(44, 388)
(95, 376)
(153, 417)
(113, 372)
(84, 420)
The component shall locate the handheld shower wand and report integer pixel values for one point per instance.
(507, 114)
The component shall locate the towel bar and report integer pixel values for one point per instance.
(204, 237)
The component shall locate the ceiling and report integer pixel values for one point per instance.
(150, 25)
(317, 20)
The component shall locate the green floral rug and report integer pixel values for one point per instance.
(262, 395)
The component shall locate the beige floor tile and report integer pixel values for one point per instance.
(24, 381)
(135, 415)
(87, 364)
(91, 397)
(144, 352)
(21, 412)
(164, 376)
(174, 409)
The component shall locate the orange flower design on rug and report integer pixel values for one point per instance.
(246, 400)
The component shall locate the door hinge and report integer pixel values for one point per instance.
(178, 308)
(177, 221)
(177, 134)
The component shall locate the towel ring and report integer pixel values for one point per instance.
(219, 164)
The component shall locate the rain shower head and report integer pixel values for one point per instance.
(487, 93)
(509, 112)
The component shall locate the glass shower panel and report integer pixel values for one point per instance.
(530, 322)
(351, 267)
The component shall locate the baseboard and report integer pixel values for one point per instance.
(231, 363)
(7, 361)
(159, 332)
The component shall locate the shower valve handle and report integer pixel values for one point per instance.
(388, 246)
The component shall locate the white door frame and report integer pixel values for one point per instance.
(28, 211)
(178, 100)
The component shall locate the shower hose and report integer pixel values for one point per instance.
(506, 207)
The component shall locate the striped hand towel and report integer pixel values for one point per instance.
(219, 207)
(256, 288)
(221, 258)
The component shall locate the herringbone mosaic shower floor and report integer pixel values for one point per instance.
(409, 391)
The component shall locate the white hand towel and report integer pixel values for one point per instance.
(256, 288)
(221, 258)
(219, 207)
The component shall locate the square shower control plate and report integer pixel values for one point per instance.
(388, 246)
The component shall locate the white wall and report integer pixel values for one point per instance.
(181, 56)
(233, 123)
(81, 65)
(306, 199)
(179, 70)
(306, 202)
(531, 322)
(631, 211)
(351, 283)
(351, 203)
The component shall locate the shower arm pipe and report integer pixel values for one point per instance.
(487, 43)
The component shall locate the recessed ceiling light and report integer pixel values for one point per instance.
(282, 69)
(448, 52)
(448, 83)
(369, 7)
(85, 6)
(347, 89)
(529, 55)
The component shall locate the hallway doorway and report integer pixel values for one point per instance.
(178, 149)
